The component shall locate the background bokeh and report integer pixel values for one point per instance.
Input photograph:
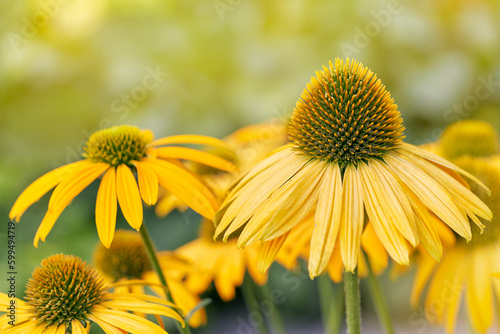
(70, 67)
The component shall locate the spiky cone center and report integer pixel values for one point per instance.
(126, 258)
(346, 116)
(469, 137)
(488, 171)
(63, 289)
(118, 145)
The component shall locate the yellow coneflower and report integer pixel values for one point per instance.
(65, 295)
(222, 263)
(116, 153)
(249, 145)
(126, 262)
(466, 268)
(347, 157)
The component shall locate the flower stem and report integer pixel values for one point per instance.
(352, 302)
(331, 298)
(150, 247)
(253, 305)
(378, 300)
(273, 315)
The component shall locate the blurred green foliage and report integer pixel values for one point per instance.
(70, 67)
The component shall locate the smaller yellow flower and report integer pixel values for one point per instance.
(126, 262)
(117, 153)
(65, 295)
(220, 262)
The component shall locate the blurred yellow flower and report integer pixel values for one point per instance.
(222, 263)
(466, 268)
(118, 152)
(249, 145)
(347, 157)
(126, 263)
(65, 295)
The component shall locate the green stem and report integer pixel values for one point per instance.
(352, 302)
(378, 299)
(148, 242)
(253, 305)
(273, 315)
(331, 298)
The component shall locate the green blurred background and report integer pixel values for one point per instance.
(70, 67)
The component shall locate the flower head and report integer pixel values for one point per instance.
(132, 165)
(126, 262)
(65, 295)
(347, 158)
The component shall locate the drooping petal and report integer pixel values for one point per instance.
(326, 221)
(39, 188)
(379, 259)
(201, 157)
(106, 327)
(425, 268)
(431, 193)
(185, 186)
(77, 328)
(269, 250)
(352, 219)
(284, 208)
(128, 195)
(148, 183)
(74, 182)
(106, 207)
(381, 219)
(46, 225)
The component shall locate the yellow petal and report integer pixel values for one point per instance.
(379, 259)
(431, 193)
(326, 221)
(148, 183)
(192, 139)
(141, 307)
(269, 250)
(379, 214)
(127, 321)
(74, 182)
(479, 292)
(167, 204)
(128, 196)
(106, 327)
(425, 268)
(284, 208)
(185, 186)
(106, 207)
(252, 257)
(443, 162)
(196, 156)
(46, 225)
(251, 191)
(352, 219)
(39, 188)
(77, 327)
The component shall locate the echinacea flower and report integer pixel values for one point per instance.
(65, 295)
(222, 263)
(466, 269)
(126, 264)
(117, 153)
(347, 158)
